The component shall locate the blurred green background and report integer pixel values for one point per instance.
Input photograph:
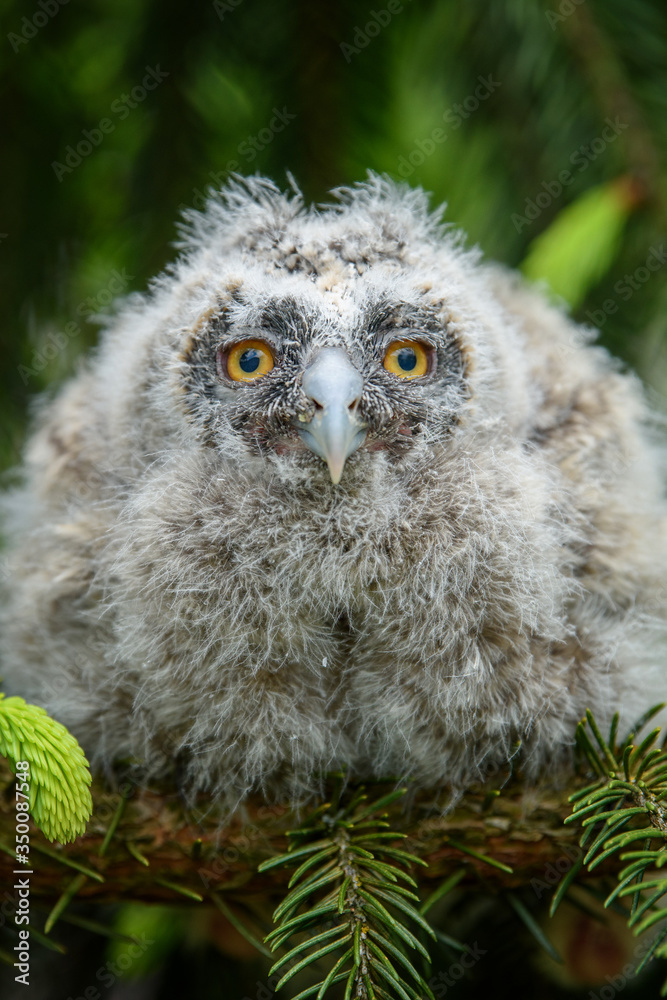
(542, 124)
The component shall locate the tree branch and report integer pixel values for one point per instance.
(157, 841)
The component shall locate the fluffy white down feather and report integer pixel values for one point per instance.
(180, 597)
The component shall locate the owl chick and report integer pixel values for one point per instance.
(335, 493)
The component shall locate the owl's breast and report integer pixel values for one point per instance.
(223, 575)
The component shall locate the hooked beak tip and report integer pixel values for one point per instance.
(336, 467)
(335, 431)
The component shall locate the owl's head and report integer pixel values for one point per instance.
(328, 340)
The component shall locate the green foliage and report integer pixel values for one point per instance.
(408, 102)
(532, 926)
(135, 924)
(623, 815)
(58, 777)
(588, 231)
(348, 903)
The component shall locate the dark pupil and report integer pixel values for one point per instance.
(407, 359)
(249, 360)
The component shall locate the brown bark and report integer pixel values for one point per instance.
(521, 828)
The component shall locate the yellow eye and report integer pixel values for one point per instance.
(248, 360)
(406, 358)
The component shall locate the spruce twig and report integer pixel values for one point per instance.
(624, 811)
(351, 887)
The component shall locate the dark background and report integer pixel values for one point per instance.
(502, 109)
(367, 91)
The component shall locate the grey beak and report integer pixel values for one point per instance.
(335, 386)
